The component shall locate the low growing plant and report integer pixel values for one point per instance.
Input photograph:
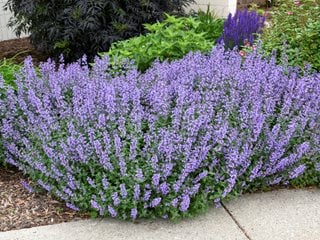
(171, 39)
(165, 143)
(297, 23)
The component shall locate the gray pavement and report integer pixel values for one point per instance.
(285, 214)
(282, 214)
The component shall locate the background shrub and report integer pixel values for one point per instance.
(78, 27)
(297, 23)
(165, 143)
(241, 28)
(171, 39)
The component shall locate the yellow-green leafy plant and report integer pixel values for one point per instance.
(171, 39)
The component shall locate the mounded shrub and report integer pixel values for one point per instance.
(170, 39)
(242, 28)
(77, 27)
(166, 143)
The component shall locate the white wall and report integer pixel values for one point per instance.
(219, 7)
(5, 33)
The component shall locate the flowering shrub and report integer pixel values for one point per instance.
(165, 143)
(243, 26)
(297, 24)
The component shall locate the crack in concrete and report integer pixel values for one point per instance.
(236, 222)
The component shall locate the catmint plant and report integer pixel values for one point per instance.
(164, 143)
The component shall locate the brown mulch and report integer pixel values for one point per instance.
(22, 209)
(19, 49)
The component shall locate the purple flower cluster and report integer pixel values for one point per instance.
(241, 29)
(154, 144)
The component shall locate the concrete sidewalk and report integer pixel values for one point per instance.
(282, 214)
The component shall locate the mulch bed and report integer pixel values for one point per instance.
(22, 209)
(19, 49)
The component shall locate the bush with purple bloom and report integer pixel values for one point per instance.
(163, 143)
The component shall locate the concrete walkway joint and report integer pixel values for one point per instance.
(236, 222)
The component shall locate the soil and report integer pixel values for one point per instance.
(20, 208)
(19, 49)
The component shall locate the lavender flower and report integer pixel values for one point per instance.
(112, 211)
(185, 203)
(139, 174)
(275, 181)
(27, 186)
(156, 179)
(105, 183)
(94, 204)
(134, 213)
(123, 190)
(91, 182)
(297, 171)
(155, 202)
(147, 195)
(217, 202)
(164, 188)
(68, 191)
(116, 199)
(73, 207)
(175, 202)
(45, 186)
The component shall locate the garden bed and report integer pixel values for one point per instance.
(22, 209)
(19, 49)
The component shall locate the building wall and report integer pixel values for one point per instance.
(5, 33)
(219, 7)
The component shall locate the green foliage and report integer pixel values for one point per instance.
(310, 177)
(298, 25)
(171, 39)
(7, 70)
